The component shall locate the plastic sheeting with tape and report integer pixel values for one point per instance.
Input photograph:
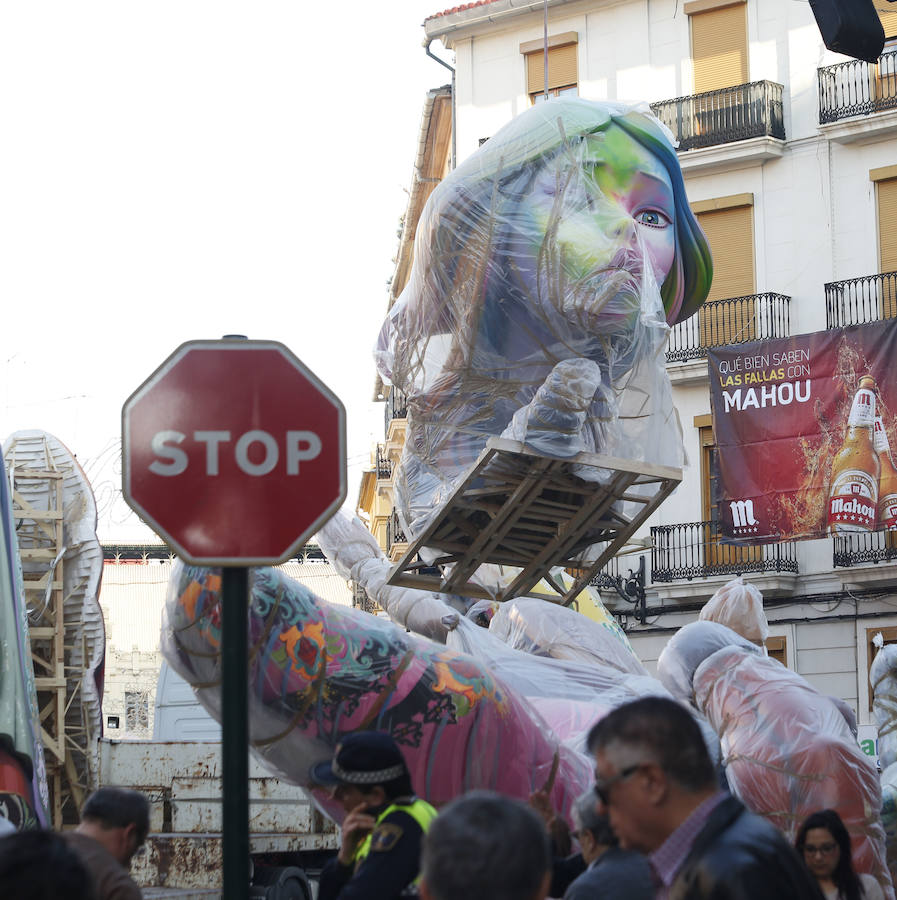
(788, 749)
(546, 268)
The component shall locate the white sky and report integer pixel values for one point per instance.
(171, 171)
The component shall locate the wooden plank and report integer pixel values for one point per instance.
(576, 528)
(532, 530)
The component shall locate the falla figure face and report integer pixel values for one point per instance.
(601, 221)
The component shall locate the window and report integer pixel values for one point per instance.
(728, 223)
(562, 67)
(777, 648)
(886, 201)
(136, 711)
(718, 44)
(888, 15)
(716, 553)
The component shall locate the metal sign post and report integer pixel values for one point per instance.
(235, 732)
(235, 453)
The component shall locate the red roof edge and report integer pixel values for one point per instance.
(461, 8)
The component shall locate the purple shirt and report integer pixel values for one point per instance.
(667, 859)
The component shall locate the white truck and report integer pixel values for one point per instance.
(180, 772)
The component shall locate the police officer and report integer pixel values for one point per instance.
(379, 858)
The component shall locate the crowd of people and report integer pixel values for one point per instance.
(658, 823)
(90, 862)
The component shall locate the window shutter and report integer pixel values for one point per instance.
(777, 648)
(719, 48)
(730, 233)
(887, 225)
(888, 16)
(709, 473)
(887, 242)
(561, 69)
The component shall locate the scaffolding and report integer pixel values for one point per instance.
(49, 492)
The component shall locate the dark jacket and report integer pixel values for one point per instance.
(615, 874)
(390, 867)
(739, 856)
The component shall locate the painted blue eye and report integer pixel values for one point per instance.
(653, 218)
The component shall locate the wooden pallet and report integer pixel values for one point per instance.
(518, 508)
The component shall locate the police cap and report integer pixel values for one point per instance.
(364, 758)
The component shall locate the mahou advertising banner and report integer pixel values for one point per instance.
(804, 428)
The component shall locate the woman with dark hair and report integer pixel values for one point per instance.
(824, 845)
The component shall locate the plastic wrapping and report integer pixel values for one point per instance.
(787, 748)
(546, 267)
(546, 629)
(318, 672)
(688, 648)
(356, 556)
(739, 606)
(883, 677)
(570, 694)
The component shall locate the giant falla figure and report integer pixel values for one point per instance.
(547, 268)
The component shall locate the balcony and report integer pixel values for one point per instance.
(862, 547)
(733, 321)
(383, 464)
(396, 407)
(395, 424)
(726, 116)
(694, 550)
(860, 300)
(857, 88)
(396, 542)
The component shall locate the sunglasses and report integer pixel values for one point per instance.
(604, 785)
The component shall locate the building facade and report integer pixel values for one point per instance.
(789, 154)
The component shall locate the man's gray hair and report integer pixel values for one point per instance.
(658, 730)
(484, 846)
(587, 818)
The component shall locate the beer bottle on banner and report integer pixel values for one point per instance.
(887, 482)
(853, 495)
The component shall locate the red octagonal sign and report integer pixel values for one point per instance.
(234, 452)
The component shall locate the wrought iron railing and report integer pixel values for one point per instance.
(695, 550)
(361, 600)
(724, 116)
(396, 406)
(860, 300)
(608, 573)
(733, 321)
(863, 547)
(857, 88)
(384, 463)
(394, 532)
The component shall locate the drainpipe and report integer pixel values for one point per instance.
(426, 45)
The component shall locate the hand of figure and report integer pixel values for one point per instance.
(356, 826)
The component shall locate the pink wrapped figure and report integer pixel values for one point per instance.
(787, 749)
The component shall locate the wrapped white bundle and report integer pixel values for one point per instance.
(738, 606)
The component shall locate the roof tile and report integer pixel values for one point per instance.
(461, 8)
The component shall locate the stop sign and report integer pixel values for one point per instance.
(234, 452)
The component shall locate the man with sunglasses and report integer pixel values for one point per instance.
(379, 856)
(656, 782)
(114, 826)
